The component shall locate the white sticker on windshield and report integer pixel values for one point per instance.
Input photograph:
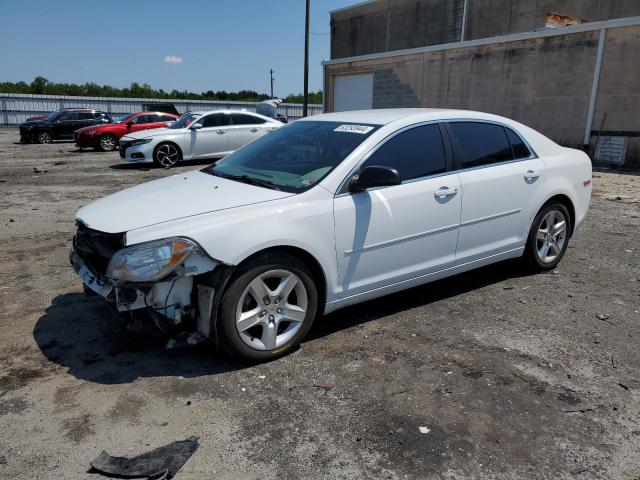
(361, 129)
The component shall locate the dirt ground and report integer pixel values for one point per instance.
(515, 376)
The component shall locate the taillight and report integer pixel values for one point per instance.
(586, 183)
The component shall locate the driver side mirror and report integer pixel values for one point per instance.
(374, 176)
(196, 126)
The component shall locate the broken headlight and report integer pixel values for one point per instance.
(151, 261)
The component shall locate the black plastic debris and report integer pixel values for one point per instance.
(161, 463)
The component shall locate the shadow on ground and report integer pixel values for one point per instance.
(415, 297)
(147, 166)
(81, 333)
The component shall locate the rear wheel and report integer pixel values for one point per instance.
(268, 308)
(166, 155)
(107, 142)
(44, 137)
(549, 237)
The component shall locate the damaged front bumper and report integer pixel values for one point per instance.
(183, 300)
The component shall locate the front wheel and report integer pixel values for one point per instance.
(166, 155)
(268, 308)
(548, 238)
(108, 143)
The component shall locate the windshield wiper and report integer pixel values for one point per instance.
(247, 179)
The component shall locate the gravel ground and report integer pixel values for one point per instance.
(515, 376)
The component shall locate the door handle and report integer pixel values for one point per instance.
(444, 192)
(221, 132)
(531, 175)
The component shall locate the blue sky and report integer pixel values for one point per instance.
(222, 44)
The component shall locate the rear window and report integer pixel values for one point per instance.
(520, 149)
(476, 144)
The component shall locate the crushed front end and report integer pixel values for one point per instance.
(168, 281)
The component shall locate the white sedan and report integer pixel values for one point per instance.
(326, 212)
(196, 135)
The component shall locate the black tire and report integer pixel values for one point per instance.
(531, 256)
(228, 334)
(107, 143)
(167, 155)
(44, 136)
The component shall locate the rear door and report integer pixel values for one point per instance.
(65, 125)
(85, 119)
(393, 234)
(502, 181)
(212, 139)
(244, 129)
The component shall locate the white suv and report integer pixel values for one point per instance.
(327, 212)
(196, 136)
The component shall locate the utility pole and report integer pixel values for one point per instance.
(305, 106)
(271, 73)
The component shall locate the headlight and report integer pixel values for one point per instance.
(142, 141)
(150, 261)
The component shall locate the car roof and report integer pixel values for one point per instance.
(229, 111)
(157, 113)
(389, 115)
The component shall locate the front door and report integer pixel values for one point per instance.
(392, 234)
(212, 140)
(502, 187)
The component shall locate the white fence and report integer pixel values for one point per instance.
(16, 108)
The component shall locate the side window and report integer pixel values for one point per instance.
(257, 120)
(215, 120)
(101, 116)
(520, 149)
(166, 118)
(140, 119)
(242, 119)
(415, 153)
(476, 144)
(85, 116)
(67, 116)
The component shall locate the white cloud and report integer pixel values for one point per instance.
(172, 59)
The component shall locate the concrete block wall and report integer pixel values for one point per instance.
(542, 82)
(492, 18)
(389, 25)
(386, 25)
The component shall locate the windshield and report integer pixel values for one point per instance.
(124, 118)
(53, 115)
(295, 157)
(185, 120)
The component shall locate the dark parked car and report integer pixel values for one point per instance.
(61, 124)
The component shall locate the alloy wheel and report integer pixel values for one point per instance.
(271, 309)
(551, 236)
(108, 143)
(167, 155)
(45, 137)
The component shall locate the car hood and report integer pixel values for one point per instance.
(95, 127)
(155, 132)
(171, 198)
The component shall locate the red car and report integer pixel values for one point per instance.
(105, 137)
